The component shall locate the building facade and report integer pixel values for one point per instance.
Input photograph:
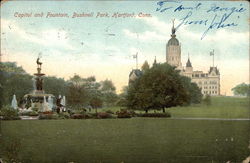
(208, 82)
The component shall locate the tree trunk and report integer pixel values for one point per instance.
(96, 110)
(163, 110)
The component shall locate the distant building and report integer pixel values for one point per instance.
(134, 74)
(208, 82)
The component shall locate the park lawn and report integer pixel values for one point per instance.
(125, 140)
(221, 107)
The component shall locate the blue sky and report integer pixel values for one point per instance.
(104, 46)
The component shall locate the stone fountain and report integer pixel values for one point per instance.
(38, 99)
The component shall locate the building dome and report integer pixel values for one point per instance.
(173, 41)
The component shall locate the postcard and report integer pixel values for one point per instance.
(124, 81)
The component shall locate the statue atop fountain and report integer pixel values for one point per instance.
(37, 98)
(38, 78)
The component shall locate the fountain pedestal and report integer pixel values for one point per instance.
(37, 99)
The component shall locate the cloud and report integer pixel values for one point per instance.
(145, 36)
(162, 29)
(46, 38)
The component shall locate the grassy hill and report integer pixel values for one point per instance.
(221, 107)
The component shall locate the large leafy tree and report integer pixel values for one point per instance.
(158, 88)
(108, 92)
(122, 97)
(55, 86)
(194, 92)
(242, 89)
(84, 92)
(77, 94)
(13, 80)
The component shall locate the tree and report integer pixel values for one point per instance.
(122, 97)
(108, 92)
(207, 100)
(158, 88)
(84, 92)
(145, 66)
(13, 80)
(194, 92)
(96, 102)
(55, 86)
(242, 89)
(77, 93)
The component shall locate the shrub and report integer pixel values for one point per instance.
(77, 116)
(48, 116)
(64, 115)
(123, 114)
(104, 115)
(207, 100)
(81, 116)
(132, 113)
(29, 113)
(9, 113)
(110, 112)
(160, 115)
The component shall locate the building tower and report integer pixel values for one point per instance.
(189, 68)
(173, 50)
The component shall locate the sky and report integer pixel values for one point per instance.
(104, 46)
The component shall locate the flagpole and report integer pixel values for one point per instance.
(137, 60)
(213, 57)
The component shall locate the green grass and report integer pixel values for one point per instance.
(221, 107)
(126, 140)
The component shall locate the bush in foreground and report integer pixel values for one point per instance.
(160, 115)
(81, 116)
(64, 115)
(48, 116)
(29, 113)
(104, 115)
(123, 114)
(9, 113)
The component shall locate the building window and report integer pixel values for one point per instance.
(216, 92)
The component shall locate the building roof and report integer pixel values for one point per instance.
(173, 41)
(137, 72)
(214, 69)
(188, 64)
(134, 74)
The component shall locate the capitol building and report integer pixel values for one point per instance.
(208, 82)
